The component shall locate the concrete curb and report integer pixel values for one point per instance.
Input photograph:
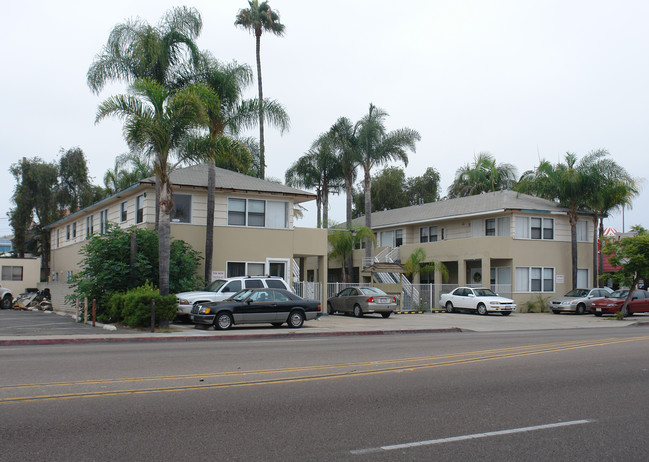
(217, 337)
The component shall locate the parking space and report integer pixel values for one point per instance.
(25, 323)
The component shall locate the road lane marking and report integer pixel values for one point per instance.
(479, 355)
(453, 439)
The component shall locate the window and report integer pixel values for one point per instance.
(67, 232)
(386, 238)
(398, 239)
(256, 213)
(534, 279)
(490, 227)
(74, 230)
(582, 231)
(103, 221)
(139, 209)
(277, 216)
(123, 211)
(12, 273)
(256, 269)
(497, 226)
(182, 210)
(429, 234)
(582, 277)
(237, 212)
(535, 228)
(58, 235)
(89, 225)
(236, 269)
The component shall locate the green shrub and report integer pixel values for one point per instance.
(539, 304)
(133, 308)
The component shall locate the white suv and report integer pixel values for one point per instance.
(221, 289)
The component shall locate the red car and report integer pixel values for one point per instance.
(639, 303)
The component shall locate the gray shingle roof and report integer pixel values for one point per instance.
(196, 176)
(461, 207)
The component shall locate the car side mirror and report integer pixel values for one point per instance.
(472, 295)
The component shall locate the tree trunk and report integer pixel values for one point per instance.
(325, 205)
(367, 184)
(349, 261)
(601, 237)
(209, 227)
(133, 259)
(164, 235)
(572, 217)
(262, 149)
(595, 251)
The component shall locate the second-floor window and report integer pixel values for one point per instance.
(103, 221)
(123, 211)
(428, 234)
(535, 228)
(182, 211)
(257, 213)
(89, 225)
(139, 208)
(496, 226)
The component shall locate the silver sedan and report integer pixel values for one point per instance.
(362, 300)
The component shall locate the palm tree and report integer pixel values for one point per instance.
(377, 147)
(611, 188)
(416, 264)
(129, 169)
(137, 50)
(343, 241)
(565, 183)
(157, 122)
(318, 169)
(484, 175)
(259, 17)
(345, 142)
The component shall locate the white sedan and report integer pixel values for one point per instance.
(481, 300)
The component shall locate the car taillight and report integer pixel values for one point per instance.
(370, 300)
(319, 308)
(394, 299)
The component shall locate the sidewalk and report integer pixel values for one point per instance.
(62, 329)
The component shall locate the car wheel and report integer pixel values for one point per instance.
(506, 313)
(295, 319)
(330, 308)
(581, 309)
(277, 324)
(449, 307)
(599, 315)
(386, 315)
(223, 321)
(358, 312)
(6, 302)
(482, 309)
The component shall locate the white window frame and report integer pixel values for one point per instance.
(189, 217)
(269, 207)
(582, 231)
(525, 277)
(123, 212)
(524, 228)
(139, 209)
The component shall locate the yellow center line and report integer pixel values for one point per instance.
(498, 354)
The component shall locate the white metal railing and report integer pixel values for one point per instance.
(393, 255)
(296, 270)
(308, 290)
(334, 287)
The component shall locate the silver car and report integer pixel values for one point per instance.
(578, 300)
(362, 300)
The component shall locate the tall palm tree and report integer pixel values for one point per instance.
(318, 169)
(611, 188)
(259, 17)
(137, 50)
(483, 175)
(157, 122)
(377, 147)
(345, 142)
(565, 183)
(129, 169)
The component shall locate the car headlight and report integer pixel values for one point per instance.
(494, 303)
(182, 301)
(204, 310)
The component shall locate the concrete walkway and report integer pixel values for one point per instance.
(29, 327)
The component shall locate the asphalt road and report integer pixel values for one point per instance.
(548, 395)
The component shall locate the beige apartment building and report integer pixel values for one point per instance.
(518, 245)
(254, 231)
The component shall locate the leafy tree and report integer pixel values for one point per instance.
(377, 147)
(416, 264)
(343, 241)
(136, 50)
(569, 185)
(259, 18)
(107, 267)
(129, 169)
(424, 188)
(157, 123)
(631, 254)
(75, 190)
(35, 200)
(484, 175)
(611, 187)
(318, 169)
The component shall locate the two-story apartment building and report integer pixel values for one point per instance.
(515, 243)
(254, 230)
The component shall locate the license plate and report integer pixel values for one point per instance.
(598, 309)
(384, 300)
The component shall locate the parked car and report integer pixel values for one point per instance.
(362, 300)
(257, 306)
(481, 300)
(221, 289)
(639, 303)
(6, 298)
(578, 300)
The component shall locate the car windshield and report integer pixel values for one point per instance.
(371, 291)
(619, 294)
(214, 286)
(242, 295)
(484, 293)
(578, 293)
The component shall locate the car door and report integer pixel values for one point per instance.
(260, 307)
(638, 303)
(352, 299)
(339, 302)
(462, 299)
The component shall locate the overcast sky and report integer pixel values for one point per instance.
(521, 79)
